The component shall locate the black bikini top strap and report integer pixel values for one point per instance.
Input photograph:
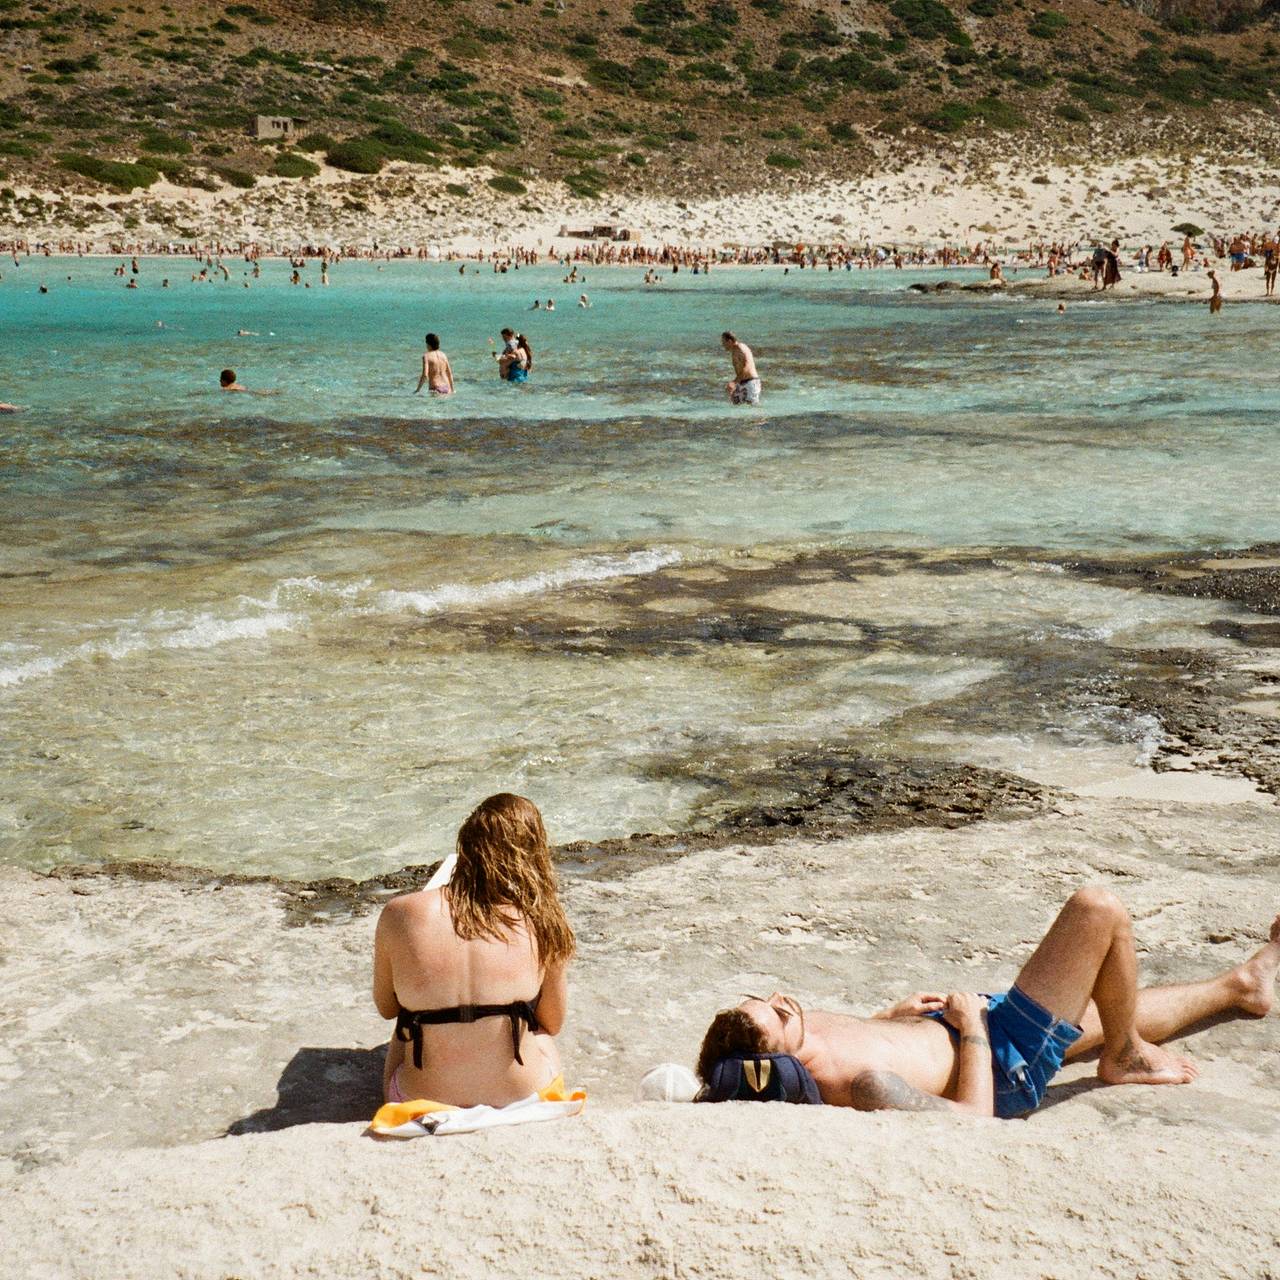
(409, 1023)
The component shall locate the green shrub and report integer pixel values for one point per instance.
(116, 174)
(661, 13)
(842, 131)
(636, 159)
(544, 97)
(348, 10)
(781, 160)
(357, 155)
(394, 136)
(618, 77)
(770, 84)
(1047, 24)
(928, 20)
(508, 185)
(984, 8)
(291, 165)
(315, 142)
(256, 16)
(1093, 97)
(164, 144)
(1188, 229)
(70, 66)
(1069, 111)
(882, 80)
(12, 147)
(586, 183)
(170, 166)
(465, 46)
(714, 71)
(998, 114)
(950, 117)
(457, 189)
(235, 177)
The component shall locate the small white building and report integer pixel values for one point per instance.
(275, 126)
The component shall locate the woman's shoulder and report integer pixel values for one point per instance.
(415, 907)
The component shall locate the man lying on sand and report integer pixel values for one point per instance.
(989, 1055)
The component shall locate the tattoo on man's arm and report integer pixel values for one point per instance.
(981, 1041)
(885, 1091)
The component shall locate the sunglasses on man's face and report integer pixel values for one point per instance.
(787, 1007)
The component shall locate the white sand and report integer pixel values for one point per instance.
(141, 1020)
(960, 194)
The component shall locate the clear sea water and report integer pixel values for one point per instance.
(304, 632)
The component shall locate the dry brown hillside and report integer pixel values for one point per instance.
(681, 96)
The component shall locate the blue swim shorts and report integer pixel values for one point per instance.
(1027, 1047)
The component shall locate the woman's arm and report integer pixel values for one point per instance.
(553, 1001)
(384, 991)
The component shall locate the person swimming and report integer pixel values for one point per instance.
(474, 973)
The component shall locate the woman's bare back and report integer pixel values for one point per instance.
(420, 963)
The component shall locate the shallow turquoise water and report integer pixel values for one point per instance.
(170, 552)
(955, 421)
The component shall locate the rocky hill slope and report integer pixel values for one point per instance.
(610, 98)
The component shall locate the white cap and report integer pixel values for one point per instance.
(669, 1082)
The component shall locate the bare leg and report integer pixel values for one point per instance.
(1088, 954)
(395, 1056)
(1162, 1012)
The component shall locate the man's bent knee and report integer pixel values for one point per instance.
(1097, 903)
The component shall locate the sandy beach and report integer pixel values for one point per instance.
(963, 196)
(188, 1076)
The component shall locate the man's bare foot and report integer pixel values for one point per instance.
(1138, 1062)
(1255, 980)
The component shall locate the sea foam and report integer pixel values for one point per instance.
(576, 573)
(293, 601)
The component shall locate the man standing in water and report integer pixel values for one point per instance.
(436, 371)
(745, 387)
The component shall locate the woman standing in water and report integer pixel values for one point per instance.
(474, 972)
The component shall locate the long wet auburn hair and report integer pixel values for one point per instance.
(504, 876)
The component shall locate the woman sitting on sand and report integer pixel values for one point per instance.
(474, 973)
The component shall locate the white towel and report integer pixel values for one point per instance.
(420, 1118)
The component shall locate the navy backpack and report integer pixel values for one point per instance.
(761, 1077)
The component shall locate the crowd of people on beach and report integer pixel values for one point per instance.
(1098, 260)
